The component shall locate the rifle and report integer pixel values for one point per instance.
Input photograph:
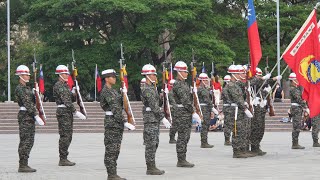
(212, 86)
(166, 103)
(38, 100)
(78, 95)
(269, 103)
(196, 102)
(126, 102)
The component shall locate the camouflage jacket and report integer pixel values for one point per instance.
(150, 98)
(111, 100)
(25, 98)
(243, 87)
(181, 93)
(236, 94)
(256, 83)
(296, 96)
(205, 97)
(171, 98)
(224, 96)
(63, 95)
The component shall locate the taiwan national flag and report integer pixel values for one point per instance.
(253, 38)
(98, 80)
(302, 56)
(41, 81)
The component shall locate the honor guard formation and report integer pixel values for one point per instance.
(246, 100)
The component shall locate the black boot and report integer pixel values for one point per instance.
(227, 141)
(172, 140)
(182, 162)
(23, 167)
(66, 162)
(153, 170)
(316, 143)
(295, 145)
(257, 150)
(115, 177)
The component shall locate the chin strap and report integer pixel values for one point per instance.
(63, 78)
(181, 76)
(26, 81)
(150, 79)
(235, 77)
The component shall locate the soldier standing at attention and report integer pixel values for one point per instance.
(297, 106)
(26, 118)
(114, 123)
(315, 130)
(184, 113)
(65, 112)
(152, 115)
(206, 107)
(227, 112)
(240, 113)
(173, 129)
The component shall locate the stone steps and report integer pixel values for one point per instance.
(95, 121)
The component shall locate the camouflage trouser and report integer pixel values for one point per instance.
(151, 139)
(205, 124)
(315, 128)
(257, 126)
(26, 134)
(228, 121)
(65, 125)
(239, 141)
(296, 112)
(183, 121)
(112, 143)
(173, 129)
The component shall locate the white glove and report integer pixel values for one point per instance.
(267, 76)
(78, 88)
(215, 111)
(166, 90)
(73, 90)
(195, 89)
(80, 115)
(166, 123)
(196, 117)
(256, 101)
(124, 89)
(263, 103)
(248, 113)
(267, 89)
(39, 120)
(129, 126)
(246, 104)
(308, 111)
(279, 77)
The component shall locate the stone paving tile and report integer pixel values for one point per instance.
(87, 150)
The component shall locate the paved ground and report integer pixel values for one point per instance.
(87, 150)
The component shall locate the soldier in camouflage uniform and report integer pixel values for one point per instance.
(152, 115)
(26, 118)
(183, 113)
(173, 129)
(234, 92)
(227, 112)
(297, 105)
(315, 130)
(205, 101)
(114, 123)
(260, 109)
(65, 112)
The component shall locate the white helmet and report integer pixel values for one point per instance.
(259, 72)
(148, 69)
(22, 69)
(235, 69)
(181, 66)
(292, 76)
(227, 78)
(143, 81)
(62, 69)
(203, 76)
(172, 81)
(108, 73)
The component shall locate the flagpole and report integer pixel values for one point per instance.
(8, 45)
(278, 39)
(95, 84)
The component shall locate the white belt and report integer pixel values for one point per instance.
(109, 113)
(295, 104)
(148, 109)
(179, 105)
(226, 104)
(234, 105)
(203, 104)
(23, 108)
(62, 105)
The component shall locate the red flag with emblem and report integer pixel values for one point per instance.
(302, 56)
